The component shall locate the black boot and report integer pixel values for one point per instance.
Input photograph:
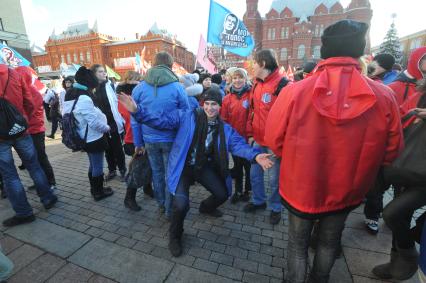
(209, 207)
(89, 175)
(176, 231)
(147, 189)
(130, 200)
(99, 191)
(236, 197)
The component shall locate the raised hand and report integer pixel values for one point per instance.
(128, 102)
(264, 161)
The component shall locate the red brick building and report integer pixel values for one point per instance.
(82, 45)
(293, 28)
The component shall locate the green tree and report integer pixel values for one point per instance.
(391, 44)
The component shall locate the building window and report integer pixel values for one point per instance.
(75, 57)
(269, 34)
(273, 34)
(88, 56)
(283, 54)
(62, 58)
(322, 29)
(283, 32)
(1, 24)
(316, 52)
(69, 58)
(287, 31)
(301, 51)
(81, 57)
(317, 30)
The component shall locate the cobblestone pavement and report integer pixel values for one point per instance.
(85, 241)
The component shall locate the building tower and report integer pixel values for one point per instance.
(253, 22)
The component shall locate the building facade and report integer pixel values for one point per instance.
(82, 45)
(294, 28)
(12, 28)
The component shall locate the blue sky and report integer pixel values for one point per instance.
(185, 18)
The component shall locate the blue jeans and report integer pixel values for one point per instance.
(96, 163)
(257, 181)
(15, 191)
(158, 154)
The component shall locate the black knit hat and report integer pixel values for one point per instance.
(309, 67)
(346, 38)
(86, 77)
(385, 61)
(213, 94)
(204, 76)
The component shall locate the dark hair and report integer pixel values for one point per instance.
(222, 72)
(67, 79)
(163, 58)
(266, 58)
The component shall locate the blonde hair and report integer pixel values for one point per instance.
(363, 64)
(132, 76)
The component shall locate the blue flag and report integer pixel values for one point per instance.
(227, 31)
(12, 58)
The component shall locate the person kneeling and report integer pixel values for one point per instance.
(199, 153)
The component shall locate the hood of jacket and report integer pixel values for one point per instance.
(160, 75)
(341, 93)
(413, 65)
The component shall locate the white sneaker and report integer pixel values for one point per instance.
(372, 226)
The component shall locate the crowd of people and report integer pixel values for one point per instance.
(328, 141)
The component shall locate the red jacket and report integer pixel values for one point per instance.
(333, 130)
(36, 122)
(235, 111)
(403, 82)
(128, 138)
(17, 92)
(261, 101)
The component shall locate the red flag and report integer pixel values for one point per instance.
(290, 74)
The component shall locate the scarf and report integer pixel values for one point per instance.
(197, 150)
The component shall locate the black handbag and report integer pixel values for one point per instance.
(409, 169)
(140, 173)
(12, 122)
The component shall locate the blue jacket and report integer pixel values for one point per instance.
(184, 123)
(422, 257)
(193, 103)
(166, 97)
(389, 77)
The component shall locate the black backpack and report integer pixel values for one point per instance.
(70, 136)
(12, 122)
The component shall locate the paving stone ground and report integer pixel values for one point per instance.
(85, 241)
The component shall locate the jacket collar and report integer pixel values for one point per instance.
(272, 76)
(339, 61)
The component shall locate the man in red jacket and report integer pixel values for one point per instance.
(333, 131)
(14, 90)
(263, 96)
(36, 127)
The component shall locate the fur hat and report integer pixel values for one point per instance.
(385, 61)
(213, 94)
(204, 76)
(346, 38)
(189, 79)
(86, 77)
(217, 79)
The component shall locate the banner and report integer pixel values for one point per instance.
(112, 74)
(205, 57)
(228, 31)
(12, 58)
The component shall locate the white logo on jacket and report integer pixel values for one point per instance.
(245, 103)
(266, 98)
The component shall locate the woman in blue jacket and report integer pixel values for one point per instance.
(199, 153)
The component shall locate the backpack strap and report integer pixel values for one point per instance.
(75, 102)
(7, 82)
(87, 126)
(406, 91)
(283, 82)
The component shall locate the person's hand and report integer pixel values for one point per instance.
(264, 161)
(139, 150)
(250, 141)
(421, 112)
(128, 102)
